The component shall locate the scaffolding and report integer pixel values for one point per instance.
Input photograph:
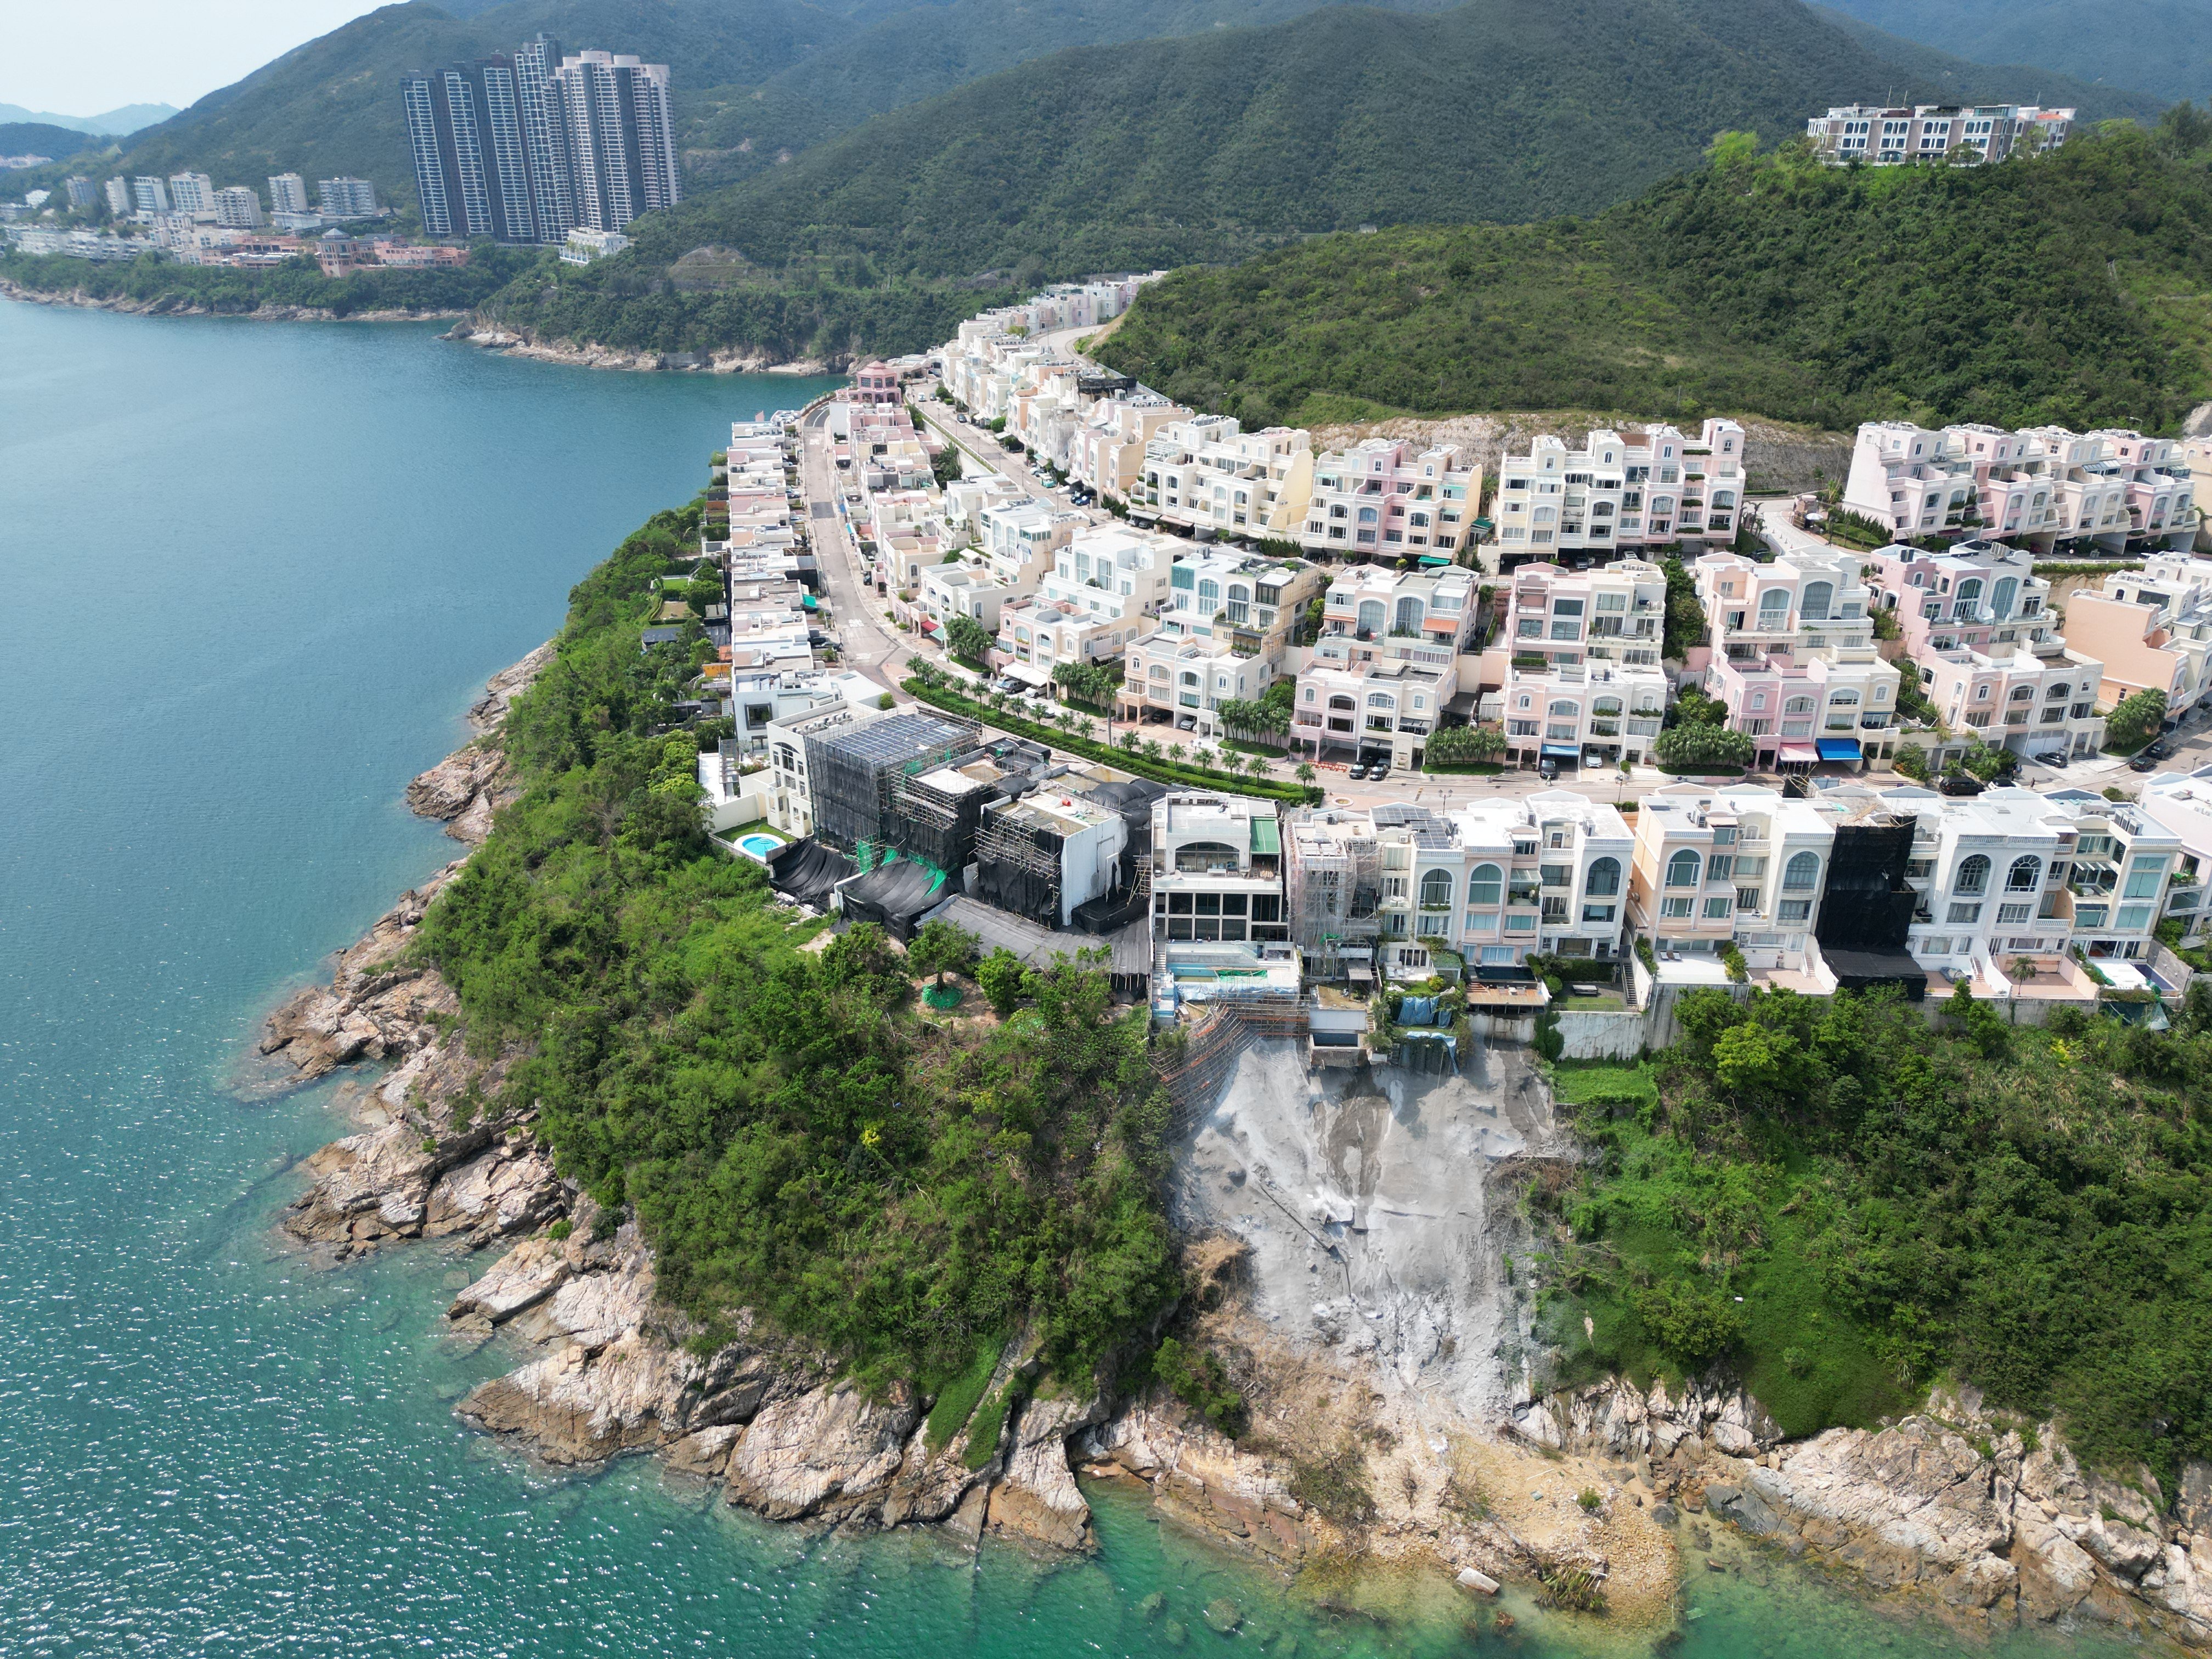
(851, 770)
(1019, 865)
(1334, 890)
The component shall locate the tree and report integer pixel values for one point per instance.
(1912, 761)
(968, 638)
(940, 949)
(1306, 774)
(1129, 742)
(1455, 743)
(2134, 722)
(1693, 708)
(1688, 748)
(1256, 765)
(1686, 617)
(1001, 976)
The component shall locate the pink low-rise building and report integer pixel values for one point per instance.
(1979, 596)
(872, 383)
(2034, 703)
(1793, 658)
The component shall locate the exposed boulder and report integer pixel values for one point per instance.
(827, 1452)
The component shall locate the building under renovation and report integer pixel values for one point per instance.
(853, 766)
(1071, 852)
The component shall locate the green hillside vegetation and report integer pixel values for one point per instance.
(229, 290)
(794, 1134)
(1213, 146)
(2072, 289)
(1841, 1207)
(37, 138)
(2163, 47)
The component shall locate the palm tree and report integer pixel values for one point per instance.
(1306, 774)
(1176, 753)
(1256, 765)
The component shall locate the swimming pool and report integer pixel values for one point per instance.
(756, 846)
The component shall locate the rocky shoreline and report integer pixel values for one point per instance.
(170, 305)
(521, 343)
(1990, 1522)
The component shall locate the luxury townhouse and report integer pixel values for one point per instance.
(1961, 134)
(2150, 628)
(1624, 491)
(1224, 635)
(1107, 585)
(1743, 867)
(1793, 657)
(1208, 473)
(1384, 496)
(1386, 665)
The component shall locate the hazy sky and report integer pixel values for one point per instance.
(85, 57)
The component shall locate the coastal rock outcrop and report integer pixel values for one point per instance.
(1995, 1523)
(374, 1008)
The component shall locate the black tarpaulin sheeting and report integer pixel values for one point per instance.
(1868, 970)
(896, 897)
(806, 871)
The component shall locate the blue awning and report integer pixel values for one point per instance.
(1561, 752)
(1838, 749)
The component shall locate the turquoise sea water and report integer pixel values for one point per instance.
(249, 577)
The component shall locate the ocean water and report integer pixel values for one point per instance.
(251, 575)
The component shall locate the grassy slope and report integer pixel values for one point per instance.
(2158, 46)
(2071, 289)
(2029, 1212)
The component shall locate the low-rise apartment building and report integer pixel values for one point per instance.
(1207, 473)
(1106, 586)
(1106, 449)
(1217, 886)
(2182, 802)
(2044, 485)
(1374, 892)
(1625, 491)
(1595, 714)
(1793, 657)
(1961, 134)
(2151, 629)
(1386, 497)
(1977, 596)
(1741, 865)
(1223, 637)
(1386, 665)
(2041, 703)
(1554, 617)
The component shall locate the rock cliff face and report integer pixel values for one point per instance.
(1996, 1527)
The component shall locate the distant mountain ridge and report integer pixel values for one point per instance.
(116, 124)
(43, 138)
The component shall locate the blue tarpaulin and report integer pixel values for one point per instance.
(1417, 1010)
(1561, 750)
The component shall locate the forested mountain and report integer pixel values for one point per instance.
(1216, 146)
(2076, 289)
(2158, 46)
(41, 139)
(115, 122)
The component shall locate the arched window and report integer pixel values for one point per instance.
(2022, 693)
(1604, 878)
(2025, 876)
(1970, 591)
(1436, 890)
(1158, 673)
(1605, 708)
(1844, 699)
(1484, 885)
(1773, 606)
(1798, 706)
(1240, 600)
(1682, 868)
(1370, 616)
(2000, 596)
(1409, 615)
(1565, 710)
(1342, 703)
(1206, 855)
(1190, 679)
(1380, 700)
(2059, 692)
(1723, 500)
(1814, 606)
(1802, 873)
(1973, 876)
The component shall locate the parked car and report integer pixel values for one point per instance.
(1379, 771)
(1547, 770)
(2145, 761)
(1960, 783)
(1359, 772)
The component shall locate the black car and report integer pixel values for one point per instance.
(1548, 771)
(1379, 771)
(1960, 783)
(1358, 773)
(2145, 761)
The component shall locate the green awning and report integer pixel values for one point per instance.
(808, 601)
(1431, 558)
(1266, 836)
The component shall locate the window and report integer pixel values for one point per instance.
(1604, 878)
(1674, 907)
(1747, 898)
(1436, 890)
(1719, 908)
(1801, 874)
(2133, 918)
(1682, 869)
(2145, 883)
(1484, 883)
(1597, 913)
(1973, 876)
(2014, 915)
(1794, 910)
(1964, 913)
(2024, 876)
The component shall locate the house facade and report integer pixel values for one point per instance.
(1386, 664)
(1386, 497)
(1623, 491)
